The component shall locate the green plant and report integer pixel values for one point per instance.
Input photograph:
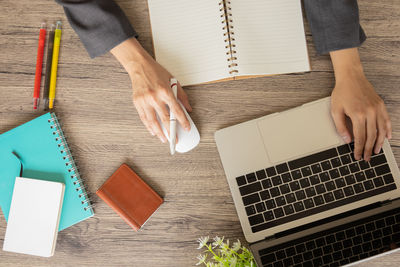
(222, 255)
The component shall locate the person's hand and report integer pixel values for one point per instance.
(151, 88)
(355, 97)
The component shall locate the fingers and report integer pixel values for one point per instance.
(142, 116)
(148, 117)
(182, 96)
(339, 118)
(387, 123)
(371, 136)
(355, 96)
(388, 129)
(148, 108)
(153, 123)
(370, 128)
(381, 136)
(384, 130)
(177, 110)
(359, 125)
(163, 114)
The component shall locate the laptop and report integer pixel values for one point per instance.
(302, 198)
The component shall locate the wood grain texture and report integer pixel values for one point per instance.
(104, 130)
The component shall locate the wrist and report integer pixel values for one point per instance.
(130, 54)
(346, 64)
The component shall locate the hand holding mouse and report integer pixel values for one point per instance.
(187, 139)
(152, 95)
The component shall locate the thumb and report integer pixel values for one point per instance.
(182, 96)
(340, 122)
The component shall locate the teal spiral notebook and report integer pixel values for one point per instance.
(44, 153)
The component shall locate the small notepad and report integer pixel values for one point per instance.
(34, 217)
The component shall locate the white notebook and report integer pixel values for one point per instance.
(34, 217)
(210, 40)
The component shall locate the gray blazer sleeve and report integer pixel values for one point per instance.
(334, 24)
(100, 24)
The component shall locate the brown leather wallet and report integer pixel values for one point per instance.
(130, 197)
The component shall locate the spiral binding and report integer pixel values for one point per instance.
(69, 162)
(228, 35)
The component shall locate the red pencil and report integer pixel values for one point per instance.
(39, 63)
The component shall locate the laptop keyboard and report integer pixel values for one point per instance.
(340, 245)
(310, 185)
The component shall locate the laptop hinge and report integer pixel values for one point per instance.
(389, 201)
(386, 202)
(271, 237)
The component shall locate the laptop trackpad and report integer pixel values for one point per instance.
(299, 131)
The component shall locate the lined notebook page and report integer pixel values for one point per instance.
(188, 39)
(269, 37)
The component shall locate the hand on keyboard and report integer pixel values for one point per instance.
(355, 97)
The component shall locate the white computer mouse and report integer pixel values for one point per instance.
(186, 140)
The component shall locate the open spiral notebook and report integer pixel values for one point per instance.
(211, 40)
(44, 153)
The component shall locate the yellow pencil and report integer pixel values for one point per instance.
(54, 63)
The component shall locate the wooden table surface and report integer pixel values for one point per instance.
(104, 130)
